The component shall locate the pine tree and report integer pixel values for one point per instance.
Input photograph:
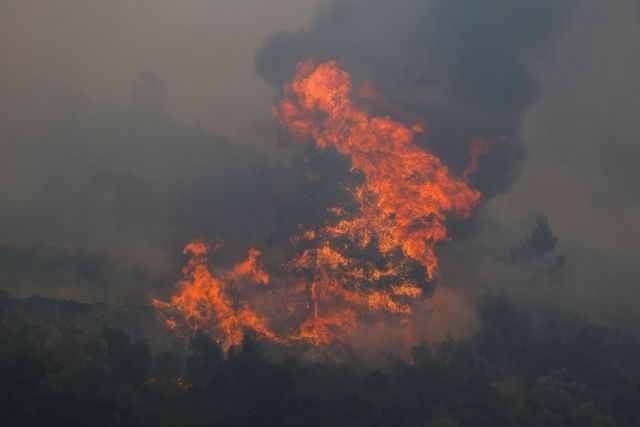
(540, 241)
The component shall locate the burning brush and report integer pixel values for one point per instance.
(367, 264)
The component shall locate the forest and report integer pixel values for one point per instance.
(530, 366)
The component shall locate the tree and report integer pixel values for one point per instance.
(129, 362)
(540, 241)
(205, 365)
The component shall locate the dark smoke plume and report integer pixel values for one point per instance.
(461, 67)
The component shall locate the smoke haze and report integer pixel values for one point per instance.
(130, 127)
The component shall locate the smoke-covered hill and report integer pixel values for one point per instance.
(60, 318)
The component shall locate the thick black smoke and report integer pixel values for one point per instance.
(461, 67)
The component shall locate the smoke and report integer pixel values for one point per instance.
(557, 79)
(466, 79)
(203, 48)
(460, 67)
(581, 137)
(100, 189)
(125, 184)
(90, 163)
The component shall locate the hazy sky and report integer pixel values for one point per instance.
(203, 49)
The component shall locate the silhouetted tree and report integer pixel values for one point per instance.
(539, 242)
(205, 370)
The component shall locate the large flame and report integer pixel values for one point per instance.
(413, 190)
(366, 264)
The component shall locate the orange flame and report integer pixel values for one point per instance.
(413, 189)
(359, 267)
(204, 302)
(479, 147)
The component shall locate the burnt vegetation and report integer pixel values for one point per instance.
(524, 367)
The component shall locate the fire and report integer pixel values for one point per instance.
(413, 190)
(205, 302)
(366, 264)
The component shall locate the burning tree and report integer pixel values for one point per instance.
(369, 255)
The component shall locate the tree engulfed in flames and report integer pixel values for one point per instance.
(367, 264)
